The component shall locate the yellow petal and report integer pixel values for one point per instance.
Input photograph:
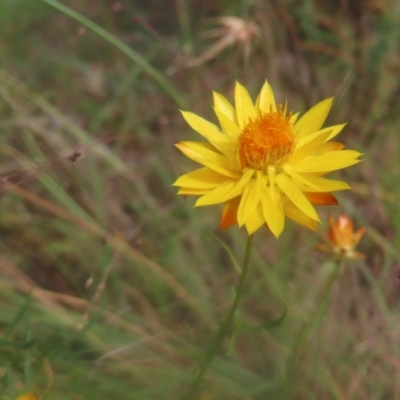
(295, 195)
(285, 108)
(333, 131)
(293, 118)
(266, 99)
(240, 184)
(202, 178)
(295, 214)
(271, 175)
(204, 127)
(192, 192)
(205, 155)
(272, 211)
(329, 146)
(255, 221)
(250, 199)
(244, 105)
(309, 145)
(224, 106)
(229, 149)
(314, 141)
(297, 178)
(215, 196)
(313, 119)
(210, 132)
(326, 185)
(336, 130)
(330, 161)
(227, 125)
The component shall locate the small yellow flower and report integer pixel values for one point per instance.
(264, 164)
(27, 396)
(341, 239)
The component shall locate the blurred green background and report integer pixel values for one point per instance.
(111, 285)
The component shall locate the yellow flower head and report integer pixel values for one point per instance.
(27, 396)
(341, 239)
(263, 163)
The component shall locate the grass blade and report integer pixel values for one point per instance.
(133, 55)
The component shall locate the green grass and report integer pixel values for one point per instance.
(112, 286)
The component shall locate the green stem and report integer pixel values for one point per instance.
(226, 325)
(309, 324)
(133, 55)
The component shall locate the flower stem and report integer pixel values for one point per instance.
(225, 326)
(307, 327)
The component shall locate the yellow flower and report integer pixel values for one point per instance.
(264, 164)
(341, 239)
(27, 396)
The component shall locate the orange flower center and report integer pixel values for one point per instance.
(267, 140)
